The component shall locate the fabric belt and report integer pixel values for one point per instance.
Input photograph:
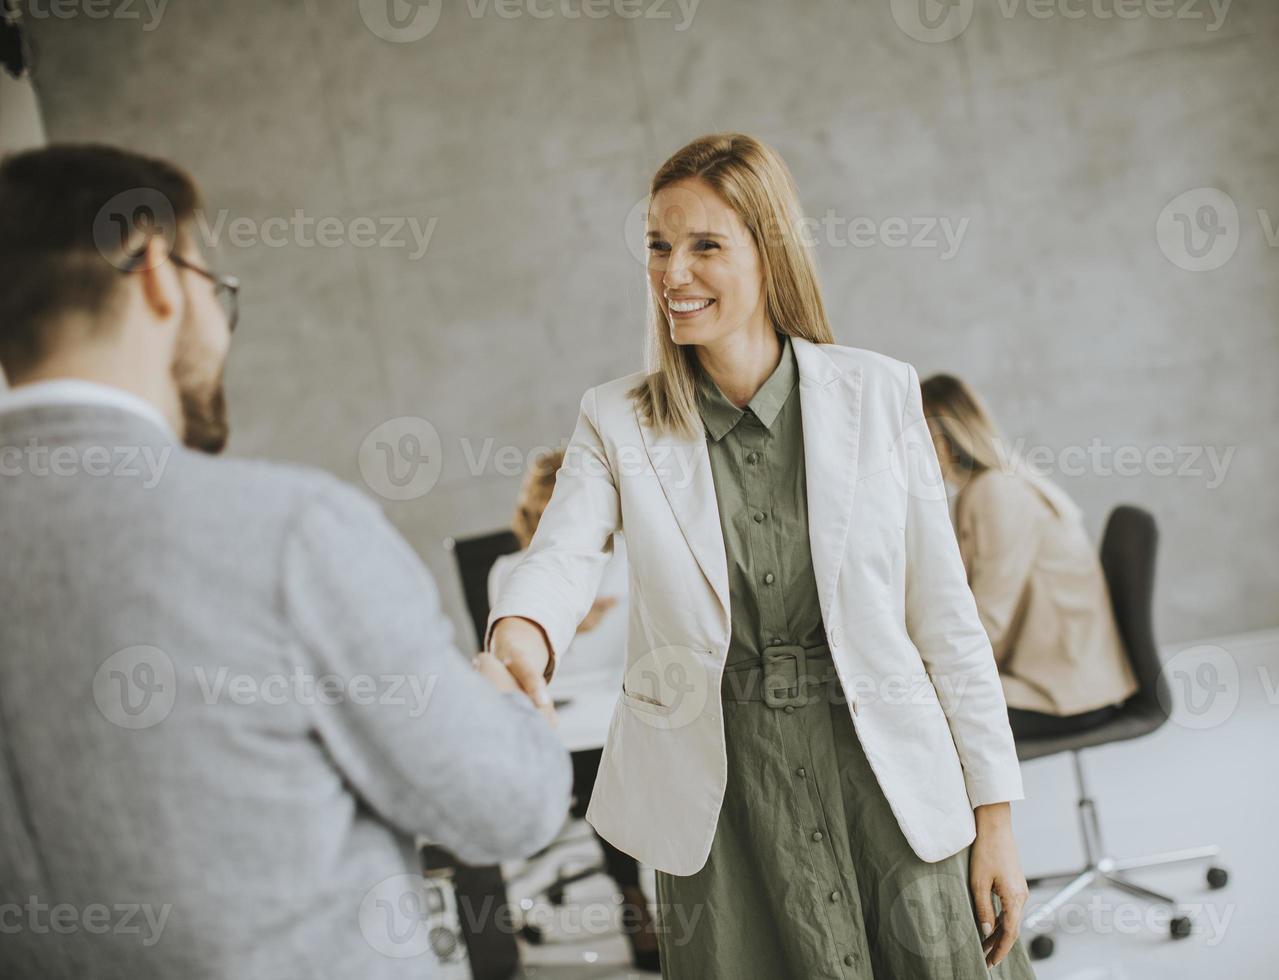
(784, 675)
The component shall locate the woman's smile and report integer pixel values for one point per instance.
(684, 309)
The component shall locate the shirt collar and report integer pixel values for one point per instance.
(721, 415)
(76, 391)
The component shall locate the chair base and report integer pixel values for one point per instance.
(1099, 871)
(554, 892)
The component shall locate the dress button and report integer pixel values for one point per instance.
(834, 896)
(752, 457)
(801, 772)
(817, 835)
(789, 709)
(768, 578)
(759, 517)
(850, 959)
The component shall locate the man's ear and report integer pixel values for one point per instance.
(161, 290)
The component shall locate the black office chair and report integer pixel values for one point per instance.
(1128, 559)
(475, 557)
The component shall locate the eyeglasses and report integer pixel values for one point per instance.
(225, 288)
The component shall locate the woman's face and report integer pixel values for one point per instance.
(703, 266)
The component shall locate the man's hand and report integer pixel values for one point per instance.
(522, 647)
(993, 865)
(492, 670)
(497, 674)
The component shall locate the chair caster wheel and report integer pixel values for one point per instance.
(1041, 947)
(533, 935)
(1179, 927)
(1217, 877)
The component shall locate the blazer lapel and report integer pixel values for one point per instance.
(830, 403)
(683, 466)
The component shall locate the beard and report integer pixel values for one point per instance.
(204, 415)
(202, 398)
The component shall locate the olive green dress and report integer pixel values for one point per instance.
(809, 875)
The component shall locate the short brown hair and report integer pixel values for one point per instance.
(67, 223)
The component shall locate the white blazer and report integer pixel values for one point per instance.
(913, 659)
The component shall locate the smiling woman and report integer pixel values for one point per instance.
(810, 775)
(728, 273)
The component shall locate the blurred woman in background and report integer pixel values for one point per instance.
(588, 681)
(1037, 580)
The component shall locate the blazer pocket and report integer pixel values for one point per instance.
(642, 702)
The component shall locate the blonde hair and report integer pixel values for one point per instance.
(975, 443)
(755, 182)
(538, 485)
(954, 410)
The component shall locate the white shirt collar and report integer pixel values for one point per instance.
(76, 391)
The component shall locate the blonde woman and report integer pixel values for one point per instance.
(811, 745)
(1039, 586)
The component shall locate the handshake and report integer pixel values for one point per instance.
(518, 662)
(522, 653)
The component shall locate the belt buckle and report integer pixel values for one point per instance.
(779, 688)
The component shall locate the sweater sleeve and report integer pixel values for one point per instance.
(429, 745)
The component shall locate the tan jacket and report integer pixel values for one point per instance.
(1041, 595)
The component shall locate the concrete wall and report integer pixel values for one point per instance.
(21, 126)
(1054, 147)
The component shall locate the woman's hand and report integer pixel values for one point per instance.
(521, 646)
(994, 867)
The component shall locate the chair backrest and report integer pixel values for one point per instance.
(1128, 548)
(475, 557)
